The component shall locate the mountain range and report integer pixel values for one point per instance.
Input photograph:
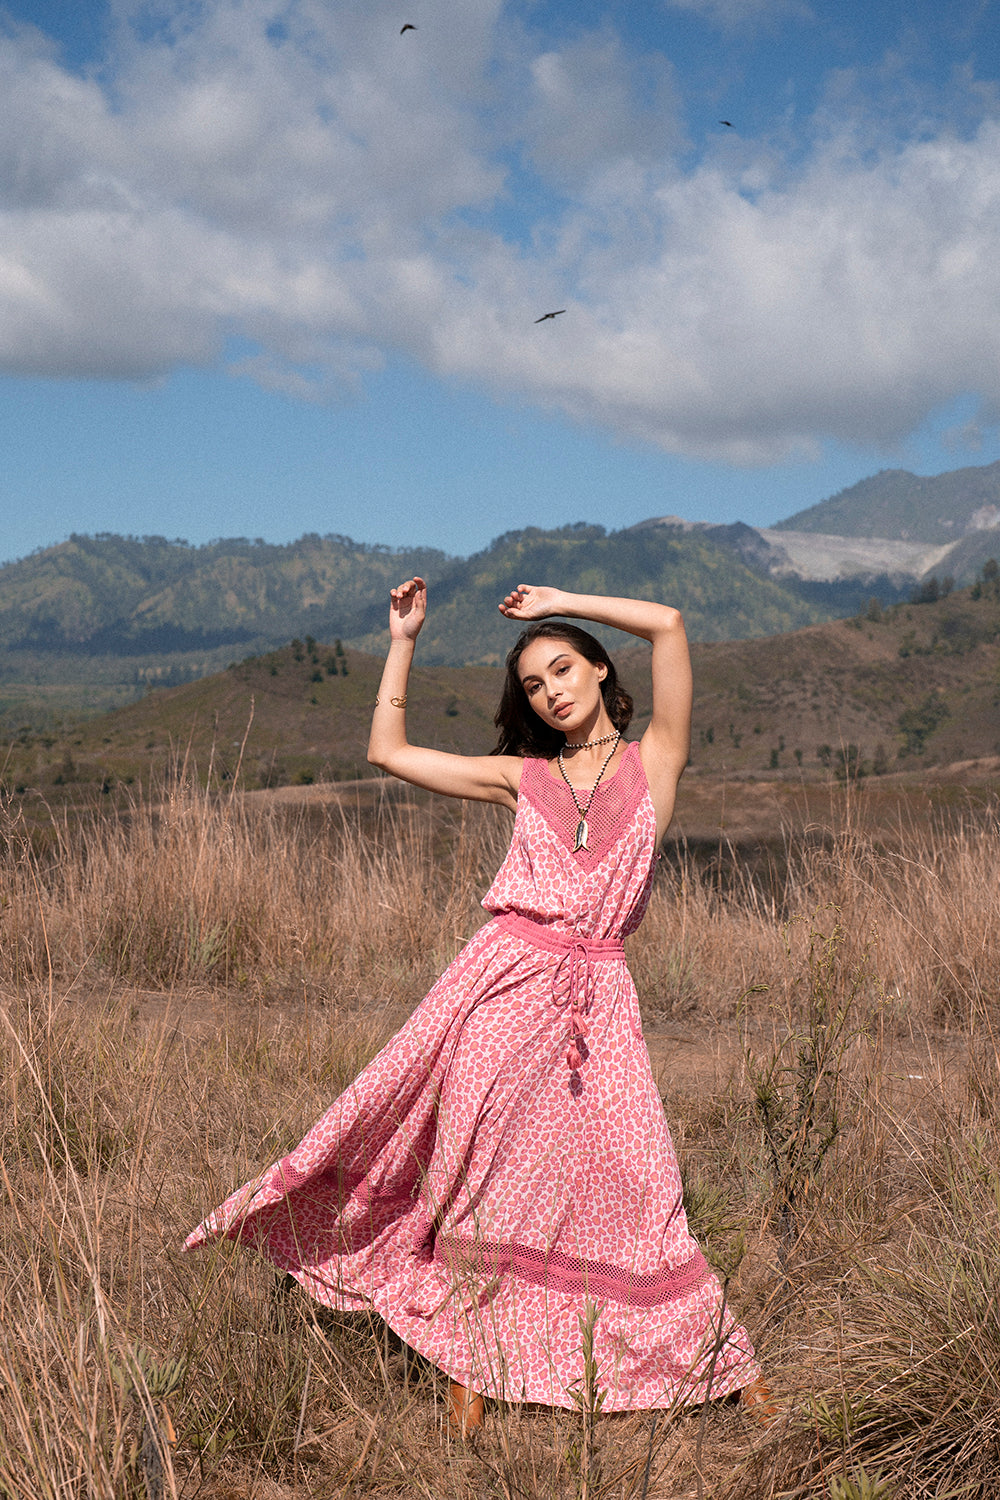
(91, 622)
(894, 690)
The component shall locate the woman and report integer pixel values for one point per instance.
(499, 1183)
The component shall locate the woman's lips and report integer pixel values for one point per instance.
(563, 710)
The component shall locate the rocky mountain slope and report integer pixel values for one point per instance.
(888, 532)
(938, 508)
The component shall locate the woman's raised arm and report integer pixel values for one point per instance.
(666, 744)
(480, 778)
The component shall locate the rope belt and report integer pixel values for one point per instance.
(576, 956)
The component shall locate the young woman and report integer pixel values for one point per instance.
(500, 1178)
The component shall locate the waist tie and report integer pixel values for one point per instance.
(577, 953)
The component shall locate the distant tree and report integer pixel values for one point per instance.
(880, 760)
(919, 723)
(850, 766)
(824, 754)
(874, 611)
(947, 584)
(928, 593)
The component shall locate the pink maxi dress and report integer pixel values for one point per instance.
(503, 1168)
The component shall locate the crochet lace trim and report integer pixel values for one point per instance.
(610, 814)
(570, 1273)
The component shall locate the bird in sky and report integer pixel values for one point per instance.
(555, 314)
(408, 27)
(729, 123)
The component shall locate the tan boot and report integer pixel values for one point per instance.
(466, 1409)
(757, 1401)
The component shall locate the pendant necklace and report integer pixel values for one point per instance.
(582, 829)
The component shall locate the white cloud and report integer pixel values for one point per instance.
(296, 175)
(592, 106)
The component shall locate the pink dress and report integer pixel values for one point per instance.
(503, 1167)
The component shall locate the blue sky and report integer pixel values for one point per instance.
(269, 267)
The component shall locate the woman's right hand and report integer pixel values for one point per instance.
(530, 601)
(407, 609)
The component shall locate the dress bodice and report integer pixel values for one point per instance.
(598, 892)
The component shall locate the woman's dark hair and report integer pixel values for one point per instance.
(522, 732)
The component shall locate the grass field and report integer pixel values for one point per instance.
(187, 984)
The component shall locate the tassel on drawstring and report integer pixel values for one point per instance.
(578, 999)
(572, 981)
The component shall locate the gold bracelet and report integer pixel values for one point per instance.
(396, 702)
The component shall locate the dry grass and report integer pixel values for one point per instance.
(183, 991)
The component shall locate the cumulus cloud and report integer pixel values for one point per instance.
(591, 106)
(296, 177)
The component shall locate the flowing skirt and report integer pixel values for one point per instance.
(489, 1198)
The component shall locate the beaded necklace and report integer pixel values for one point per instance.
(582, 829)
(589, 744)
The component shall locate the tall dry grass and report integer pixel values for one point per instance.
(185, 989)
(245, 893)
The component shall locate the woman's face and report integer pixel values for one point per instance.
(562, 687)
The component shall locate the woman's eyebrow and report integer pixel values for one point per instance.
(533, 676)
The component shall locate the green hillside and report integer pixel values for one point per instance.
(893, 503)
(131, 596)
(718, 594)
(93, 622)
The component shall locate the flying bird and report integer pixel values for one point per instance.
(408, 27)
(555, 314)
(728, 123)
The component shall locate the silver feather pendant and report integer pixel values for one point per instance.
(581, 835)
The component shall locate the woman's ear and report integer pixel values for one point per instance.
(602, 671)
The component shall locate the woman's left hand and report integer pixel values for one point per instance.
(530, 602)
